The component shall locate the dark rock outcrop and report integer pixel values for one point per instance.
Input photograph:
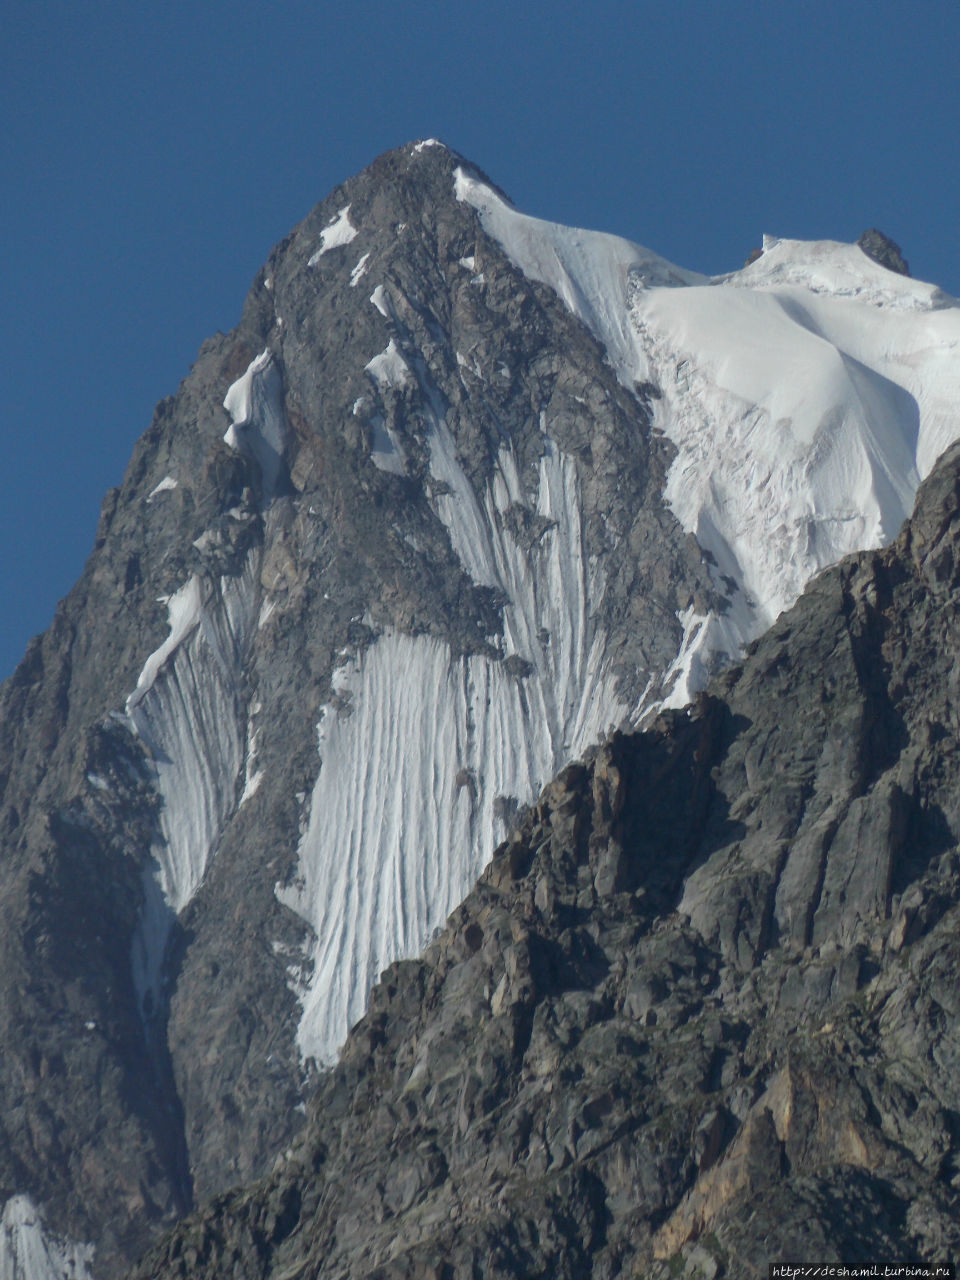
(884, 250)
(700, 1013)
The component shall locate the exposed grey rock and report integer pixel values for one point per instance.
(884, 250)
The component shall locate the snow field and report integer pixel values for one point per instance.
(807, 395)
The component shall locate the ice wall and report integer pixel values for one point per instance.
(189, 711)
(427, 752)
(27, 1252)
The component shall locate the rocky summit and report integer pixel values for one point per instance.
(428, 557)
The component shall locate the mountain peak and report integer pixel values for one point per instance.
(463, 494)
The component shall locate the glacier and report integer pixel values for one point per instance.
(807, 395)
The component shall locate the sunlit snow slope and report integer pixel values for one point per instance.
(806, 395)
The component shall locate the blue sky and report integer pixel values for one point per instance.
(152, 155)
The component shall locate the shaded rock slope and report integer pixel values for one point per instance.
(699, 1014)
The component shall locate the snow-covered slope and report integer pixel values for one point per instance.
(430, 752)
(188, 711)
(463, 491)
(806, 395)
(27, 1252)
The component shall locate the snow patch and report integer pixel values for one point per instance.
(255, 405)
(464, 363)
(389, 368)
(379, 300)
(386, 451)
(165, 484)
(359, 270)
(253, 776)
(706, 639)
(339, 232)
(28, 1252)
(183, 614)
(428, 142)
(252, 784)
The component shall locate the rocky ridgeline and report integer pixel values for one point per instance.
(700, 1012)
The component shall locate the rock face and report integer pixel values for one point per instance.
(699, 1014)
(884, 250)
(461, 494)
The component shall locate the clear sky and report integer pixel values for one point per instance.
(153, 154)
